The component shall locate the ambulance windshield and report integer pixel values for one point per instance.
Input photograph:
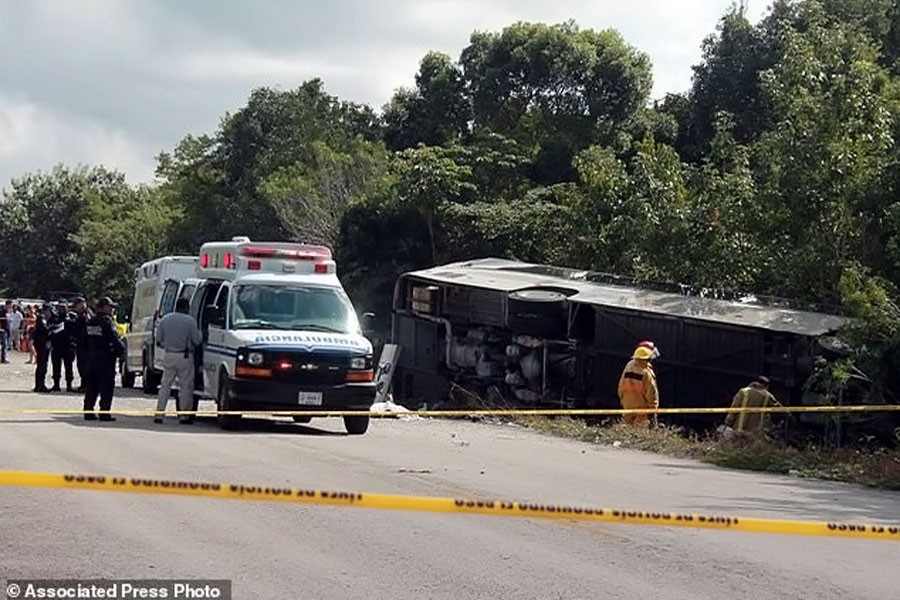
(294, 308)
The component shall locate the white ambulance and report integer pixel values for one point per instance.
(156, 285)
(280, 332)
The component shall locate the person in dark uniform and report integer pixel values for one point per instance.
(5, 333)
(79, 339)
(40, 338)
(61, 351)
(104, 348)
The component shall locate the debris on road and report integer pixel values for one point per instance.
(388, 406)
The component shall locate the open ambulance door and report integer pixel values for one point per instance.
(205, 295)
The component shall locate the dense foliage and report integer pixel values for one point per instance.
(776, 172)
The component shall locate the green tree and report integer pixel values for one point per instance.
(536, 228)
(655, 214)
(435, 113)
(730, 239)
(428, 180)
(194, 180)
(378, 240)
(599, 238)
(727, 80)
(219, 179)
(39, 216)
(119, 232)
(310, 199)
(533, 81)
(875, 331)
(826, 154)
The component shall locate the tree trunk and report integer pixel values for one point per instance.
(430, 218)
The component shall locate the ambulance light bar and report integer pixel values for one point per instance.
(306, 253)
(262, 257)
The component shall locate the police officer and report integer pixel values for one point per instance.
(104, 348)
(79, 338)
(61, 351)
(40, 339)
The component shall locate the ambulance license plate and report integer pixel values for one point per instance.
(310, 398)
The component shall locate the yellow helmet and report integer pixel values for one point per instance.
(643, 353)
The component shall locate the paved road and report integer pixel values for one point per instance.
(287, 551)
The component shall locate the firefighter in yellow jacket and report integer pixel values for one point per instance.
(637, 386)
(755, 395)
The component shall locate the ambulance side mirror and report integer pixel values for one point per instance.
(368, 322)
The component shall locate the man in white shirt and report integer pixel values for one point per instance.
(15, 318)
(178, 335)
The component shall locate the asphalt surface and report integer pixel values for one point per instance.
(272, 550)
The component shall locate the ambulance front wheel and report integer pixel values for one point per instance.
(150, 378)
(356, 425)
(223, 404)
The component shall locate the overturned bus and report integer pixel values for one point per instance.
(526, 335)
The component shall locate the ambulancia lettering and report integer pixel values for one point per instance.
(306, 340)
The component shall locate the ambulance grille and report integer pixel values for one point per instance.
(308, 369)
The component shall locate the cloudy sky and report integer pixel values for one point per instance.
(116, 81)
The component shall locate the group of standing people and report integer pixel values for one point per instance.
(60, 336)
(86, 338)
(89, 340)
(12, 328)
(638, 390)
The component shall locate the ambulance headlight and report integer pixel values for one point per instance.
(255, 358)
(359, 363)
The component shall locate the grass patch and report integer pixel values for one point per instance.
(879, 469)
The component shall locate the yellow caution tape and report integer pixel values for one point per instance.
(473, 413)
(498, 508)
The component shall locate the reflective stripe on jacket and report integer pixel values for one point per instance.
(752, 396)
(637, 386)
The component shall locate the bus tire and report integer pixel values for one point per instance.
(541, 313)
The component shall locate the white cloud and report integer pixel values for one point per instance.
(670, 32)
(241, 65)
(34, 139)
(118, 81)
(17, 122)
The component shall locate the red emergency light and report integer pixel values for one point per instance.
(305, 252)
(258, 252)
(204, 261)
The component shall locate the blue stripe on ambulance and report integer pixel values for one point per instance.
(310, 349)
(223, 350)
